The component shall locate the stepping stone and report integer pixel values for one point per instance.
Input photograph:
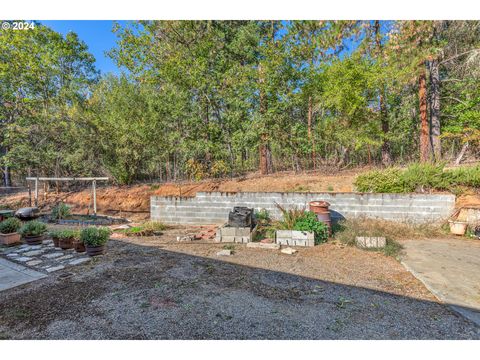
(34, 262)
(33, 253)
(224, 253)
(12, 255)
(47, 242)
(65, 257)
(23, 259)
(55, 268)
(53, 255)
(79, 261)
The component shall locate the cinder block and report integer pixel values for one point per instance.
(284, 233)
(370, 241)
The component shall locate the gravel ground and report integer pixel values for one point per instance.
(155, 288)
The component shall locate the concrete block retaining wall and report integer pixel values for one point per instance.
(213, 207)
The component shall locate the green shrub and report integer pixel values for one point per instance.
(60, 211)
(309, 222)
(289, 217)
(68, 234)
(418, 177)
(33, 228)
(263, 217)
(10, 225)
(93, 236)
(55, 233)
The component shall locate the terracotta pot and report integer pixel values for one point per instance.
(65, 243)
(78, 246)
(325, 218)
(457, 227)
(319, 207)
(56, 241)
(33, 240)
(10, 239)
(95, 250)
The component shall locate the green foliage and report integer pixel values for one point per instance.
(95, 236)
(67, 234)
(289, 217)
(60, 211)
(262, 217)
(417, 177)
(309, 222)
(10, 225)
(33, 228)
(148, 228)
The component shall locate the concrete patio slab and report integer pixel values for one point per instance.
(12, 275)
(450, 269)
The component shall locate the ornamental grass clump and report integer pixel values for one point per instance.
(61, 211)
(10, 225)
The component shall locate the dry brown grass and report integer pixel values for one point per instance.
(347, 230)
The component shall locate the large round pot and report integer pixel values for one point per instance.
(65, 243)
(78, 246)
(95, 250)
(325, 218)
(10, 239)
(33, 240)
(457, 227)
(319, 207)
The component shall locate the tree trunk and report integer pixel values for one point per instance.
(386, 149)
(310, 134)
(435, 110)
(424, 133)
(6, 172)
(264, 148)
(460, 156)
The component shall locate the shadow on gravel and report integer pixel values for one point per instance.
(142, 292)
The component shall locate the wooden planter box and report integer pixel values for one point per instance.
(10, 239)
(235, 234)
(295, 238)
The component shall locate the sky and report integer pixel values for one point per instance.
(97, 34)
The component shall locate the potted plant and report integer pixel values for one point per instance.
(78, 244)
(95, 239)
(33, 232)
(66, 239)
(8, 231)
(55, 235)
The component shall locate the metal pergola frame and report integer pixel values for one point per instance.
(92, 179)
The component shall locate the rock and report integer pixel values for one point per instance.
(12, 255)
(224, 253)
(288, 251)
(260, 245)
(47, 242)
(185, 238)
(66, 257)
(23, 259)
(34, 262)
(53, 255)
(79, 261)
(33, 253)
(55, 268)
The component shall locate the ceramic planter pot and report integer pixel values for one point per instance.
(65, 243)
(78, 246)
(33, 240)
(10, 239)
(95, 250)
(457, 227)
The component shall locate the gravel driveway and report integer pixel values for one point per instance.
(153, 290)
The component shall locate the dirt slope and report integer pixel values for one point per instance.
(134, 201)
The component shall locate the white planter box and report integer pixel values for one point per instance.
(295, 238)
(370, 242)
